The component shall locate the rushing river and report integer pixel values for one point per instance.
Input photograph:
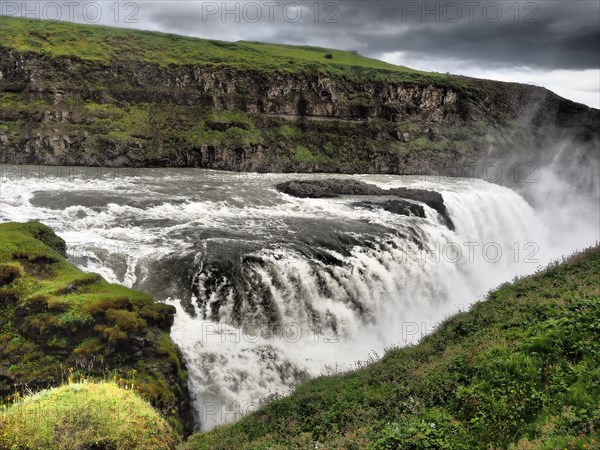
(271, 290)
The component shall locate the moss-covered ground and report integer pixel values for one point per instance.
(56, 321)
(87, 415)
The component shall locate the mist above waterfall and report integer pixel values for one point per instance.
(561, 180)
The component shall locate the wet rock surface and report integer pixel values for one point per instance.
(334, 188)
(400, 207)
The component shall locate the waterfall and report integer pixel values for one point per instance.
(291, 317)
(272, 290)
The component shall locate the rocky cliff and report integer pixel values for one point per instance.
(58, 323)
(125, 98)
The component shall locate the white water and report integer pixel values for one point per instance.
(387, 292)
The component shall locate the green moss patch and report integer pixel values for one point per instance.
(57, 317)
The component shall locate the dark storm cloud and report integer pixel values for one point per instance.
(541, 34)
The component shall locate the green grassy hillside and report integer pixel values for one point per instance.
(519, 370)
(57, 322)
(106, 44)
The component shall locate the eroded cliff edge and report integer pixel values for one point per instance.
(129, 98)
(59, 323)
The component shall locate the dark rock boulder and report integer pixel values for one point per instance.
(400, 207)
(336, 187)
(431, 198)
(328, 188)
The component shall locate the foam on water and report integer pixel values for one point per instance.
(285, 313)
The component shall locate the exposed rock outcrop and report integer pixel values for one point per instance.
(400, 207)
(336, 187)
(328, 188)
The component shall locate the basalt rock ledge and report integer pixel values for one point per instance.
(98, 96)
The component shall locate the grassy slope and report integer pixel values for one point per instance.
(105, 44)
(520, 370)
(53, 316)
(84, 415)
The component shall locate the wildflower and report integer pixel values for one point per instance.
(432, 425)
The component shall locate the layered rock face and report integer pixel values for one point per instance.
(126, 112)
(312, 95)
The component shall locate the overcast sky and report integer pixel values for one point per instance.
(551, 43)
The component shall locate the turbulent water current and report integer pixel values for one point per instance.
(272, 290)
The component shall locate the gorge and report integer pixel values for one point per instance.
(288, 217)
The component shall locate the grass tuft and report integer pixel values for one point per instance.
(84, 415)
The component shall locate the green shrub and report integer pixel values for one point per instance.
(304, 155)
(74, 318)
(89, 348)
(125, 320)
(289, 132)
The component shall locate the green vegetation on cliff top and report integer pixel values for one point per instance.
(520, 370)
(106, 44)
(57, 321)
